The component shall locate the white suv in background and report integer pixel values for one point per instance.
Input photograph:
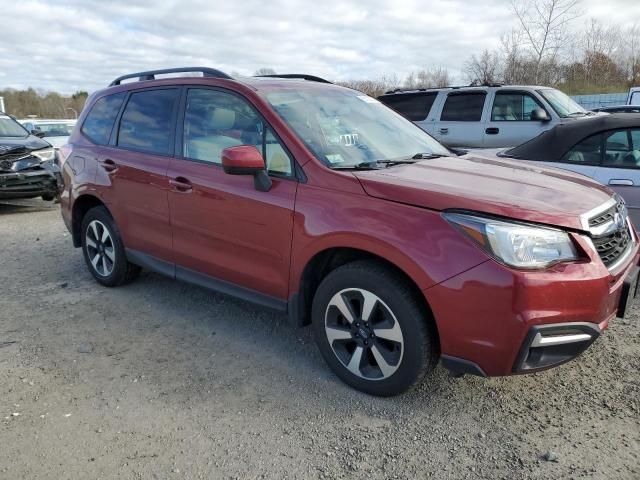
(489, 116)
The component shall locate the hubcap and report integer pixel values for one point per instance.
(364, 334)
(100, 248)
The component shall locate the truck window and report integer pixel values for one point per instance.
(414, 106)
(513, 106)
(463, 107)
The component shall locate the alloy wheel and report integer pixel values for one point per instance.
(364, 334)
(100, 248)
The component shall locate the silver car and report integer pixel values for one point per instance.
(605, 148)
(485, 116)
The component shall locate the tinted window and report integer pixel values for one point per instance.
(463, 107)
(147, 121)
(622, 149)
(513, 106)
(587, 152)
(99, 122)
(414, 106)
(216, 120)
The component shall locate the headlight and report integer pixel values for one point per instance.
(45, 154)
(514, 244)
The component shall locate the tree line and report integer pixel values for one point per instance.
(22, 103)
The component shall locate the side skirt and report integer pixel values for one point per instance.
(191, 276)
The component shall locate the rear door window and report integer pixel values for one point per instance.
(463, 107)
(414, 106)
(513, 106)
(622, 149)
(586, 152)
(99, 122)
(148, 121)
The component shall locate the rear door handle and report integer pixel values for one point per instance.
(444, 131)
(621, 181)
(492, 131)
(181, 184)
(109, 165)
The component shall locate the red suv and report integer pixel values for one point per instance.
(319, 201)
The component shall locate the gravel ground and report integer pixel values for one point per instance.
(160, 379)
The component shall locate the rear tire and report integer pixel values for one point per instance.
(103, 249)
(372, 330)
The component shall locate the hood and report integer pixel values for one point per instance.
(515, 189)
(57, 142)
(30, 143)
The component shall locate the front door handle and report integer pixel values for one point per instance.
(625, 182)
(492, 131)
(181, 184)
(444, 131)
(109, 165)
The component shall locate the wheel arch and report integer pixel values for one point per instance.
(325, 261)
(81, 206)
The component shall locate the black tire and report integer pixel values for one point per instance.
(415, 355)
(116, 272)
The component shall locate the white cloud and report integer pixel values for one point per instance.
(67, 45)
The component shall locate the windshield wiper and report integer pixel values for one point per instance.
(427, 156)
(378, 164)
(573, 114)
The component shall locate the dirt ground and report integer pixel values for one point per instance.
(161, 379)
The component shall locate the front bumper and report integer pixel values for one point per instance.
(495, 321)
(30, 183)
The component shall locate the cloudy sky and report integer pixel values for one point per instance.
(67, 45)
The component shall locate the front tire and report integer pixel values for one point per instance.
(103, 249)
(372, 330)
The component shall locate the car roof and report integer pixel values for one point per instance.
(464, 88)
(555, 142)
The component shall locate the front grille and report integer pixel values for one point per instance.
(603, 218)
(610, 234)
(611, 247)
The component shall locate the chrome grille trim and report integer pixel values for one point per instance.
(611, 233)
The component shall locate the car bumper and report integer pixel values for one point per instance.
(29, 184)
(495, 321)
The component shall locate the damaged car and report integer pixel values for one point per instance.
(27, 164)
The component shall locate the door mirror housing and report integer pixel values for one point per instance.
(540, 115)
(38, 133)
(246, 160)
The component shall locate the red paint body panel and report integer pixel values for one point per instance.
(193, 215)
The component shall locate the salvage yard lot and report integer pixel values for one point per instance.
(160, 379)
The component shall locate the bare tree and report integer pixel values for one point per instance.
(265, 71)
(430, 78)
(483, 69)
(374, 87)
(544, 24)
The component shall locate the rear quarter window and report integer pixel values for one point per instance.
(414, 106)
(99, 122)
(463, 107)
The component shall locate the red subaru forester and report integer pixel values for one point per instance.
(319, 201)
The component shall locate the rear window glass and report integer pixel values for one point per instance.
(99, 122)
(148, 121)
(463, 107)
(414, 106)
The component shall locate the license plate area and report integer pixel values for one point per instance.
(629, 292)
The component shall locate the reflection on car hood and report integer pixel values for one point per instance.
(31, 142)
(492, 185)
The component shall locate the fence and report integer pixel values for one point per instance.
(601, 100)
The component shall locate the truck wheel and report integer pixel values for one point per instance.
(103, 250)
(371, 330)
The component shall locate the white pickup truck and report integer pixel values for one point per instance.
(488, 116)
(634, 96)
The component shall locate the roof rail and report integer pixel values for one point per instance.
(303, 76)
(452, 87)
(150, 75)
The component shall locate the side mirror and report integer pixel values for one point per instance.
(246, 160)
(540, 115)
(37, 133)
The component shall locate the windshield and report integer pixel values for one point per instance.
(562, 103)
(11, 128)
(54, 129)
(345, 128)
